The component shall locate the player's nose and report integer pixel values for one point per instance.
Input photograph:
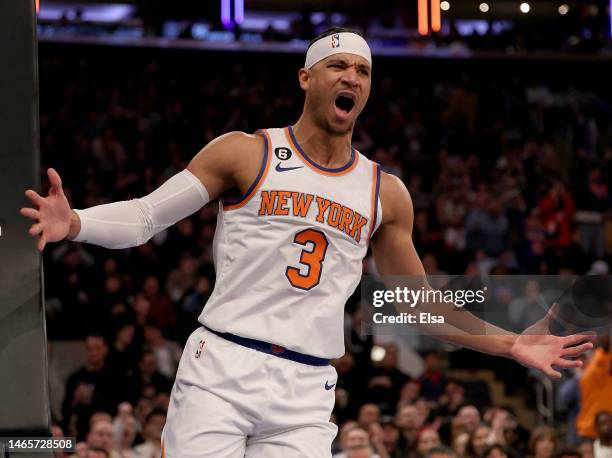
(350, 75)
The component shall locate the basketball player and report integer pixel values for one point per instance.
(254, 379)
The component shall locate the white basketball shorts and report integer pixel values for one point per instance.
(230, 401)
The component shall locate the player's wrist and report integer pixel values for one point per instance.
(509, 345)
(75, 225)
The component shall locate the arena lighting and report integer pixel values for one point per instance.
(436, 19)
(226, 14)
(378, 353)
(423, 24)
(483, 7)
(436, 16)
(37, 6)
(525, 7)
(564, 9)
(239, 11)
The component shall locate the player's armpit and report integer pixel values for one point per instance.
(230, 161)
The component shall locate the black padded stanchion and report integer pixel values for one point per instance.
(24, 400)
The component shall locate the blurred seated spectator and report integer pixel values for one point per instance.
(147, 381)
(426, 440)
(585, 447)
(543, 442)
(167, 352)
(432, 380)
(151, 433)
(95, 387)
(441, 452)
(480, 438)
(386, 379)
(602, 447)
(495, 450)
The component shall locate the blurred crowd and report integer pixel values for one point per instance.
(507, 177)
(583, 28)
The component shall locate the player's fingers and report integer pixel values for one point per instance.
(41, 242)
(34, 197)
(552, 373)
(36, 229)
(30, 213)
(577, 350)
(578, 338)
(568, 363)
(55, 180)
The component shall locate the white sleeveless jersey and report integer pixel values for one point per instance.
(288, 254)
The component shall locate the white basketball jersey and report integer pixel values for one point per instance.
(288, 254)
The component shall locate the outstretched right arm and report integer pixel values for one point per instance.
(228, 161)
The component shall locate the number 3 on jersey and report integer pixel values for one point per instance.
(311, 257)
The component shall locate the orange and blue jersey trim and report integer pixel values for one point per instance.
(263, 171)
(375, 194)
(350, 165)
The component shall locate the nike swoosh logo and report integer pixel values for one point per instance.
(329, 387)
(278, 168)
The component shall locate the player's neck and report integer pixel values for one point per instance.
(325, 149)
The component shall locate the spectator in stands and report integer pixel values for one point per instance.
(409, 423)
(94, 387)
(495, 450)
(387, 379)
(147, 380)
(151, 433)
(410, 392)
(342, 438)
(426, 440)
(543, 442)
(479, 439)
(161, 310)
(486, 226)
(556, 209)
(356, 438)
(390, 437)
(585, 448)
(595, 387)
(602, 447)
(441, 452)
(368, 415)
(167, 352)
(469, 417)
(124, 429)
(100, 436)
(124, 354)
(432, 380)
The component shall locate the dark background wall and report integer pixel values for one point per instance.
(23, 352)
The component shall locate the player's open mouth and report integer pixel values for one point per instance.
(345, 103)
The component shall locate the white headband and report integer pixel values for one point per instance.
(334, 44)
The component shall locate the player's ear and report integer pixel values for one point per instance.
(304, 78)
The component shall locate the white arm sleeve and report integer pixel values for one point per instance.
(131, 223)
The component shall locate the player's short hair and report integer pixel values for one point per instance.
(331, 31)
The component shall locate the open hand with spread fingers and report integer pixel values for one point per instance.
(536, 347)
(52, 213)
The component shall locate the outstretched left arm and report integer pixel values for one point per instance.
(395, 254)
